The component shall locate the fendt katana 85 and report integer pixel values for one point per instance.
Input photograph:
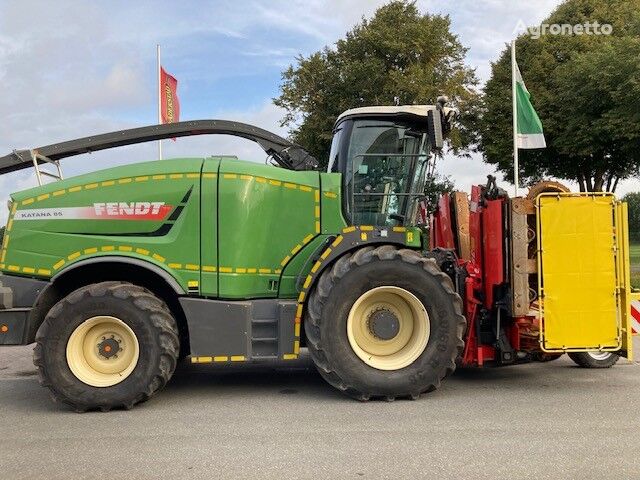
(119, 273)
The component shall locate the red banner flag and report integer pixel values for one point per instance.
(169, 103)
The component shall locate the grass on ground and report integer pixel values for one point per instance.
(634, 258)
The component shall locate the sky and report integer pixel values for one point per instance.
(70, 69)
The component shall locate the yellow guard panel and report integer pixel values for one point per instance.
(578, 283)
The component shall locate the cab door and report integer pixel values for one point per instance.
(583, 278)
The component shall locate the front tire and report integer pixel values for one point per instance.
(594, 359)
(107, 345)
(384, 322)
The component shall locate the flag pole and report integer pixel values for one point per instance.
(516, 165)
(159, 79)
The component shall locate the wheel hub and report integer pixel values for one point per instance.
(109, 347)
(102, 351)
(383, 324)
(388, 328)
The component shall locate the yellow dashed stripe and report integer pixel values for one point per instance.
(222, 358)
(110, 183)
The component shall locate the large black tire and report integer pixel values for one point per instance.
(341, 285)
(587, 360)
(144, 313)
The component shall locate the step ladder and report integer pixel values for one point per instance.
(39, 159)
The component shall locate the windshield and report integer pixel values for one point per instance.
(386, 166)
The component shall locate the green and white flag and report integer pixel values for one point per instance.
(529, 126)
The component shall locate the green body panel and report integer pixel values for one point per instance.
(209, 226)
(266, 215)
(300, 266)
(221, 227)
(54, 239)
(332, 219)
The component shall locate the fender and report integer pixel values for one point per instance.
(166, 276)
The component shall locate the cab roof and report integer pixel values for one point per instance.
(415, 110)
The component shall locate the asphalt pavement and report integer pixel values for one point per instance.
(539, 421)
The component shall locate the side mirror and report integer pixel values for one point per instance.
(436, 135)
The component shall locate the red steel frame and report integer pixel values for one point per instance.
(485, 270)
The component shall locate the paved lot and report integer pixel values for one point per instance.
(535, 421)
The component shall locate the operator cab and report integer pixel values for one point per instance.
(385, 155)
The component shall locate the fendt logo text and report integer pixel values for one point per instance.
(117, 209)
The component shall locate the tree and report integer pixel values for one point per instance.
(1, 234)
(397, 53)
(586, 91)
(434, 188)
(633, 200)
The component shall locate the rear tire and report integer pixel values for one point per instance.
(594, 359)
(80, 348)
(413, 367)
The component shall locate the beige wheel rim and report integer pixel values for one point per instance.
(102, 351)
(388, 328)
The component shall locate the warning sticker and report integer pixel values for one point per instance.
(635, 317)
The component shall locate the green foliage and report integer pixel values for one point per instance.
(434, 187)
(633, 200)
(586, 90)
(1, 234)
(397, 53)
